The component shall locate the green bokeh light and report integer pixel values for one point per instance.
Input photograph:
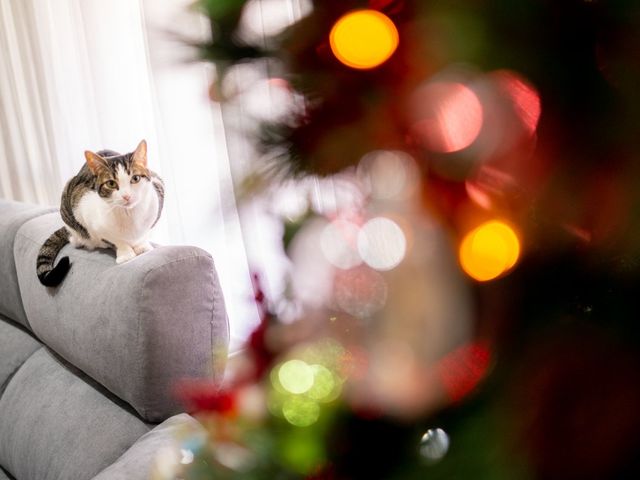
(302, 451)
(324, 384)
(327, 352)
(275, 380)
(300, 411)
(275, 401)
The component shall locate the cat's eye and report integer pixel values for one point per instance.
(135, 178)
(111, 184)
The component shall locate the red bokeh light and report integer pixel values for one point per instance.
(461, 370)
(523, 96)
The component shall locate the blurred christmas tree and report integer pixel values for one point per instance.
(503, 134)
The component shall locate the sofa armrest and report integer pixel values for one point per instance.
(156, 449)
(136, 328)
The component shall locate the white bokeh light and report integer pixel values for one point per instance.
(388, 174)
(338, 242)
(381, 243)
(434, 445)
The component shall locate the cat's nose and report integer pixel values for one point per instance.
(126, 197)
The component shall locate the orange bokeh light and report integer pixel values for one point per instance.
(489, 250)
(363, 39)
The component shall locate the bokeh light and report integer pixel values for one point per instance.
(363, 39)
(448, 116)
(301, 411)
(327, 352)
(302, 385)
(388, 174)
(434, 445)
(296, 376)
(487, 183)
(275, 400)
(381, 243)
(524, 98)
(325, 388)
(461, 370)
(489, 250)
(339, 244)
(360, 291)
(302, 450)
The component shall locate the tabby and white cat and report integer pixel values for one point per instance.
(113, 202)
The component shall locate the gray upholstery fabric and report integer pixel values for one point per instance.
(4, 476)
(54, 424)
(137, 327)
(16, 347)
(137, 462)
(134, 329)
(12, 216)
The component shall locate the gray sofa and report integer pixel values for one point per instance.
(88, 369)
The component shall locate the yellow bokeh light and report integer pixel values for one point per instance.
(363, 39)
(296, 376)
(489, 250)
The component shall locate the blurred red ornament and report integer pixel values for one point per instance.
(205, 396)
(461, 370)
(257, 347)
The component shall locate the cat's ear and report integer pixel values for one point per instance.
(94, 161)
(140, 153)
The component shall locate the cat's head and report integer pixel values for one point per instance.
(121, 180)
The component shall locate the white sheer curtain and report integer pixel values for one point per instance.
(93, 74)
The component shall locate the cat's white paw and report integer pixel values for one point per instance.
(125, 256)
(142, 248)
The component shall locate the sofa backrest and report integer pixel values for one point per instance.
(12, 216)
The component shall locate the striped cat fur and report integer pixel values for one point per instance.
(113, 202)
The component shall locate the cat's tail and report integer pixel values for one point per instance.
(49, 275)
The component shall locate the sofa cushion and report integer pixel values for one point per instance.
(137, 327)
(16, 346)
(12, 216)
(57, 424)
(156, 449)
